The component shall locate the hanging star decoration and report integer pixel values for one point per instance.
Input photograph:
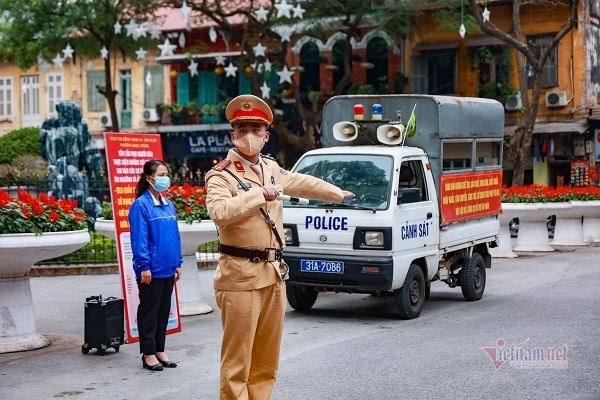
(141, 53)
(89, 65)
(231, 70)
(220, 59)
(462, 31)
(267, 65)
(68, 52)
(140, 31)
(181, 40)
(104, 52)
(261, 14)
(285, 75)
(154, 33)
(193, 67)
(486, 14)
(298, 11)
(185, 10)
(58, 61)
(265, 90)
(212, 34)
(259, 50)
(117, 26)
(131, 27)
(285, 35)
(45, 66)
(283, 9)
(166, 49)
(148, 79)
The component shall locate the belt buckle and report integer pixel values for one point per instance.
(271, 254)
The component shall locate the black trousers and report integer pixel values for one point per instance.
(153, 313)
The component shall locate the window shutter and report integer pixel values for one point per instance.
(183, 88)
(208, 88)
(96, 101)
(244, 84)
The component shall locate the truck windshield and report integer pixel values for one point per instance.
(367, 176)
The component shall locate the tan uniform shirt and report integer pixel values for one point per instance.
(240, 223)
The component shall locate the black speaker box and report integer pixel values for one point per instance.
(104, 320)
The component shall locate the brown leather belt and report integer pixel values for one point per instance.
(270, 254)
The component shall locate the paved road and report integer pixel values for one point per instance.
(349, 346)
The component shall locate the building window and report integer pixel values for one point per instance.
(30, 100)
(310, 79)
(337, 58)
(538, 45)
(6, 96)
(153, 93)
(96, 101)
(434, 73)
(377, 54)
(54, 91)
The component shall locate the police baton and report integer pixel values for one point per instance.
(293, 200)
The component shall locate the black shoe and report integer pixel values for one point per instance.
(168, 364)
(155, 367)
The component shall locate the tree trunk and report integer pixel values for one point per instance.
(110, 95)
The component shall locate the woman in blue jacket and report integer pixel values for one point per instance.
(156, 248)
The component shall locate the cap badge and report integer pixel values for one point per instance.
(246, 106)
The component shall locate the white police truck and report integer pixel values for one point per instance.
(426, 173)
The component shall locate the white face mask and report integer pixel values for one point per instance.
(250, 144)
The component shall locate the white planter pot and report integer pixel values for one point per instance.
(533, 232)
(105, 227)
(568, 230)
(504, 249)
(590, 210)
(18, 253)
(192, 236)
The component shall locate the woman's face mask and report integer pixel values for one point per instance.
(161, 183)
(250, 144)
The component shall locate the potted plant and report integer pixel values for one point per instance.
(195, 228)
(211, 113)
(31, 230)
(192, 114)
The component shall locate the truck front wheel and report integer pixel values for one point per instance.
(301, 298)
(410, 297)
(472, 278)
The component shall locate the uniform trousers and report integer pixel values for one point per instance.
(252, 326)
(153, 313)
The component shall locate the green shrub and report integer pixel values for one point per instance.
(19, 142)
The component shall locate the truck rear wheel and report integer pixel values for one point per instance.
(301, 298)
(410, 297)
(472, 278)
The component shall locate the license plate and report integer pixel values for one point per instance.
(327, 267)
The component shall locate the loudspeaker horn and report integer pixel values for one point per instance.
(391, 134)
(345, 131)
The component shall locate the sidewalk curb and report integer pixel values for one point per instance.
(64, 270)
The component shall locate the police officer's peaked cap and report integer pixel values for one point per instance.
(247, 107)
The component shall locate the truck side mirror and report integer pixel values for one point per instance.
(409, 195)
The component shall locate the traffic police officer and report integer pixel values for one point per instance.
(249, 289)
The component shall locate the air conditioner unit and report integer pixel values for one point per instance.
(150, 115)
(513, 102)
(106, 120)
(556, 99)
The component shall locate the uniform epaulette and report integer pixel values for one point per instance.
(270, 158)
(221, 165)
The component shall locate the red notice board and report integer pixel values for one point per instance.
(470, 195)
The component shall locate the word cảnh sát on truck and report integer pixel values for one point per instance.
(426, 172)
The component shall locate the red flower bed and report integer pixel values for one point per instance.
(547, 194)
(29, 214)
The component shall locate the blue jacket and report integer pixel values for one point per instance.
(155, 240)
